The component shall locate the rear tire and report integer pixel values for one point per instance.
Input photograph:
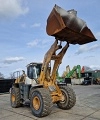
(15, 97)
(40, 102)
(69, 98)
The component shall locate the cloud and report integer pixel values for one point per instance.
(33, 43)
(39, 43)
(95, 67)
(18, 69)
(4, 66)
(11, 60)
(23, 25)
(86, 48)
(89, 56)
(98, 35)
(35, 25)
(12, 8)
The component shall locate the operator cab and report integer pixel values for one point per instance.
(34, 70)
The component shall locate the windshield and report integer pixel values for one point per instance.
(34, 71)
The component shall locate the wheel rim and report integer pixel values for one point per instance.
(36, 103)
(64, 97)
(13, 98)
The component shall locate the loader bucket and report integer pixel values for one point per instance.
(66, 26)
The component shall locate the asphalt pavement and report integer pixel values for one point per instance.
(87, 107)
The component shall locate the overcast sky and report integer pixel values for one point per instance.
(23, 37)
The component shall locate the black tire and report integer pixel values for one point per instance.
(15, 97)
(42, 106)
(69, 98)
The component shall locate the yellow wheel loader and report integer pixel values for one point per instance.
(40, 85)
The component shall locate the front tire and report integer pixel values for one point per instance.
(69, 98)
(40, 102)
(15, 97)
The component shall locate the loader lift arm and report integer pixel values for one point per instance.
(51, 55)
(47, 77)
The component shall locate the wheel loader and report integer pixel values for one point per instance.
(39, 86)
